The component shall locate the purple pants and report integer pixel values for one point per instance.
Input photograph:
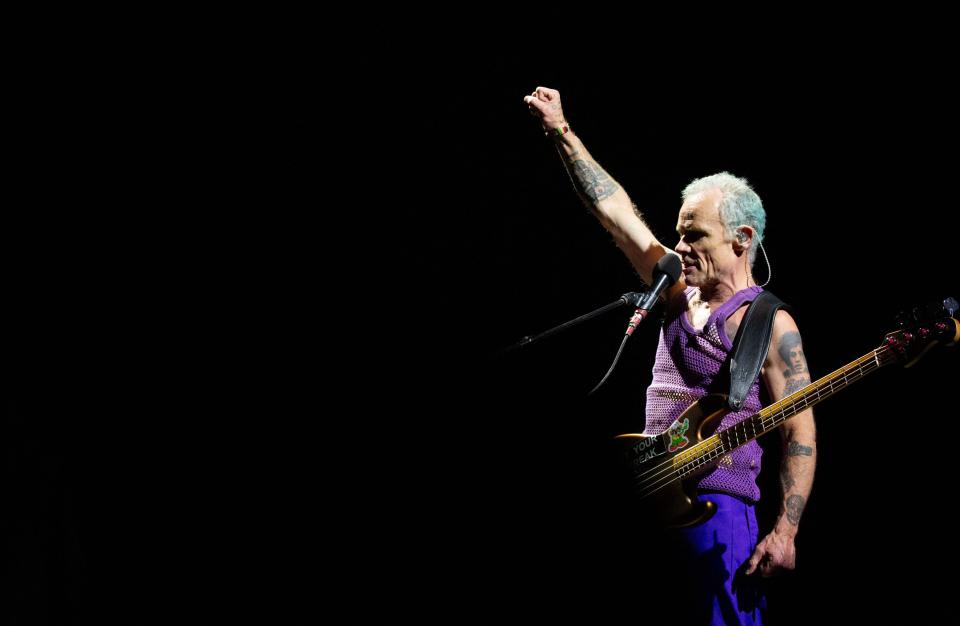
(713, 556)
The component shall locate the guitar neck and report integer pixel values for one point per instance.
(906, 344)
(777, 413)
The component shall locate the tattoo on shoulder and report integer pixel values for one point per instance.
(794, 507)
(798, 449)
(791, 351)
(592, 180)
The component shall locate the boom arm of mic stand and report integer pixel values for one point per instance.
(632, 298)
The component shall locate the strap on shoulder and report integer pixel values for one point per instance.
(751, 345)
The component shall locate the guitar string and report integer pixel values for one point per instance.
(711, 452)
(707, 450)
(669, 463)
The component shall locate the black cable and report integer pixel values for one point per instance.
(612, 365)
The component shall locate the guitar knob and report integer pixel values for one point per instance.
(924, 332)
(908, 336)
(941, 326)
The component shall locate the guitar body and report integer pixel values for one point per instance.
(665, 498)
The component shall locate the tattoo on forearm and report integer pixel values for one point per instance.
(592, 180)
(786, 480)
(798, 449)
(795, 506)
(791, 351)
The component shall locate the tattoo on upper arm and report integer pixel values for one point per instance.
(794, 507)
(798, 449)
(791, 351)
(796, 385)
(592, 180)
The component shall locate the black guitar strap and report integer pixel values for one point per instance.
(751, 345)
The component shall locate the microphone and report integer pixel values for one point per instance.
(665, 274)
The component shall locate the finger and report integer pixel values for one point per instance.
(550, 95)
(536, 106)
(755, 560)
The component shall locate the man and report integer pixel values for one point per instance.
(720, 226)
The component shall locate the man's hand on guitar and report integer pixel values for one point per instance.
(775, 552)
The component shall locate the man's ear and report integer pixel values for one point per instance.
(742, 239)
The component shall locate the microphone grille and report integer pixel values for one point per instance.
(670, 265)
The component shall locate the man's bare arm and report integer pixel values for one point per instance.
(785, 372)
(597, 189)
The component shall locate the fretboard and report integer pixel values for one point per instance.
(712, 448)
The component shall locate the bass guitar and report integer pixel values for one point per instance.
(663, 468)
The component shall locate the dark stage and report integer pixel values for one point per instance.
(266, 380)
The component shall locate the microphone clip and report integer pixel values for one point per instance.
(634, 298)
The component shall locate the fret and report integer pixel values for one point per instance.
(726, 441)
(734, 437)
(748, 428)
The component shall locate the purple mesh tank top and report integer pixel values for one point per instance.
(686, 368)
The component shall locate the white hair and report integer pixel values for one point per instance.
(739, 205)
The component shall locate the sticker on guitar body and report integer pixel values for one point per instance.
(645, 449)
(677, 438)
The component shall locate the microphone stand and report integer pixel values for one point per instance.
(632, 298)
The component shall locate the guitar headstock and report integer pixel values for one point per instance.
(923, 327)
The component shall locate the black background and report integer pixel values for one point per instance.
(254, 364)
